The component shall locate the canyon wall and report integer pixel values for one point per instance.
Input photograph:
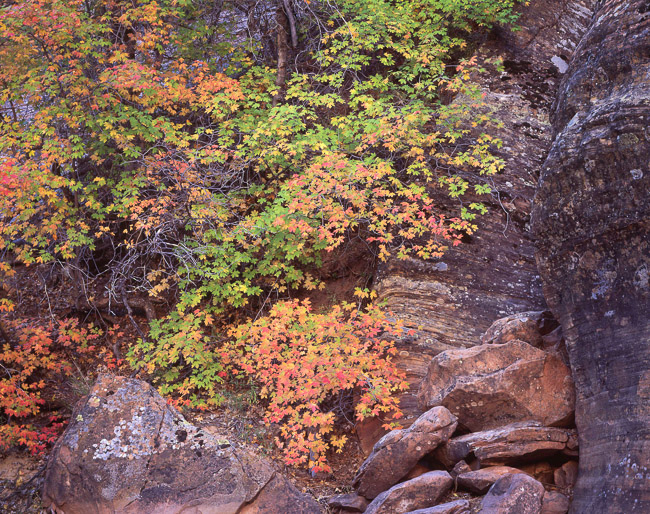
(592, 223)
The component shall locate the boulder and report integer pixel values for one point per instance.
(348, 503)
(493, 385)
(423, 491)
(126, 450)
(479, 481)
(555, 503)
(419, 469)
(566, 476)
(455, 507)
(524, 326)
(514, 494)
(512, 444)
(591, 220)
(400, 450)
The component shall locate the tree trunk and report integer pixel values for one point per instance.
(282, 43)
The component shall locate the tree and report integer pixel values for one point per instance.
(164, 146)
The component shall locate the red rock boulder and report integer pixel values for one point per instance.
(480, 481)
(128, 451)
(399, 451)
(514, 494)
(492, 385)
(423, 491)
(512, 444)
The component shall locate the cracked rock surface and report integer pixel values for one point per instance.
(127, 451)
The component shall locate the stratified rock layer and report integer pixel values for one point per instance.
(127, 451)
(450, 303)
(592, 223)
(512, 444)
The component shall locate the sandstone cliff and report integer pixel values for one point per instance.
(592, 223)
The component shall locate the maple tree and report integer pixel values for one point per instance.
(159, 146)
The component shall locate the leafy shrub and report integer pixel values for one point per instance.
(26, 367)
(301, 359)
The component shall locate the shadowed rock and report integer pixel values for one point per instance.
(128, 451)
(530, 327)
(348, 503)
(555, 503)
(516, 443)
(567, 475)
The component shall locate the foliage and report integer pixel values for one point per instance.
(301, 359)
(152, 143)
(38, 353)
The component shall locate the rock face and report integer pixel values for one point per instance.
(127, 451)
(423, 491)
(555, 503)
(450, 303)
(496, 384)
(400, 450)
(519, 442)
(523, 326)
(348, 503)
(514, 494)
(592, 223)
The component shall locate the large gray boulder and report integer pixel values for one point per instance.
(127, 451)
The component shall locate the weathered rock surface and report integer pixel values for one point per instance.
(567, 475)
(423, 491)
(555, 503)
(459, 468)
(514, 494)
(450, 303)
(479, 481)
(127, 451)
(592, 223)
(400, 450)
(496, 384)
(455, 507)
(519, 442)
(530, 327)
(541, 471)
